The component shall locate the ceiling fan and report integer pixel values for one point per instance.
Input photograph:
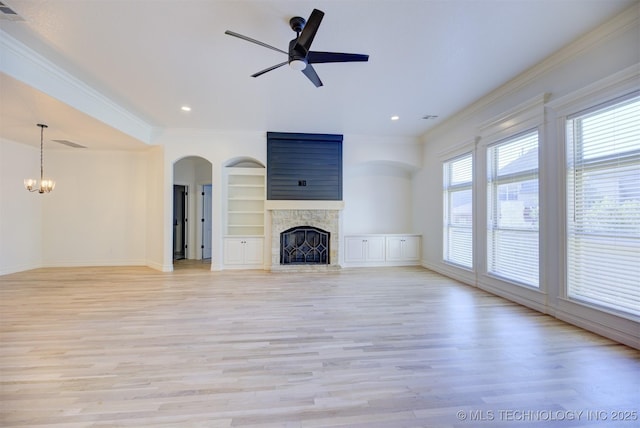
(300, 54)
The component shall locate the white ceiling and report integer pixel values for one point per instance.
(150, 57)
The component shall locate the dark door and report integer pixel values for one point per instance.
(179, 221)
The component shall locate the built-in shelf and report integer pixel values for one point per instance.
(245, 201)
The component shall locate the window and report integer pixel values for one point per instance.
(603, 205)
(512, 201)
(458, 211)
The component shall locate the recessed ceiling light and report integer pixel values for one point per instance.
(395, 117)
(185, 108)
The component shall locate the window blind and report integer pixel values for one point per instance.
(512, 201)
(458, 211)
(603, 205)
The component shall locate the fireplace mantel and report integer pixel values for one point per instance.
(274, 205)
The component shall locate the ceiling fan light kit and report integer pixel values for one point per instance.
(297, 64)
(301, 57)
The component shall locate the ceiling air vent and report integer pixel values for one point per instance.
(70, 144)
(8, 14)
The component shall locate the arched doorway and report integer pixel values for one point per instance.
(192, 221)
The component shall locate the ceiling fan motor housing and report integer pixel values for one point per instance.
(297, 24)
(297, 59)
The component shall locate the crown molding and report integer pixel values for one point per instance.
(621, 83)
(530, 112)
(616, 26)
(28, 66)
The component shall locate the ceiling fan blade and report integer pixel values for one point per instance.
(310, 72)
(257, 42)
(320, 57)
(260, 73)
(309, 31)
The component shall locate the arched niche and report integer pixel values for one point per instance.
(243, 162)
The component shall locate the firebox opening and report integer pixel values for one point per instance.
(304, 245)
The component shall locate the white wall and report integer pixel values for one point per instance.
(378, 199)
(605, 51)
(377, 184)
(96, 215)
(156, 217)
(20, 211)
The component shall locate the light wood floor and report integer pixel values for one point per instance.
(388, 347)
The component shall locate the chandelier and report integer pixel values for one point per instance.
(46, 185)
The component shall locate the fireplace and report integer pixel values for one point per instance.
(321, 217)
(304, 245)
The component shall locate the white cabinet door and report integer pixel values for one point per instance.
(382, 250)
(354, 249)
(243, 252)
(253, 250)
(403, 248)
(411, 248)
(364, 249)
(233, 251)
(375, 249)
(394, 248)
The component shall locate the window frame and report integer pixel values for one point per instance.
(524, 117)
(602, 163)
(493, 182)
(608, 322)
(448, 190)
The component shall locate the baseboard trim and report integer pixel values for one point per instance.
(7, 270)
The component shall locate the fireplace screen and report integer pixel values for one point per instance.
(304, 245)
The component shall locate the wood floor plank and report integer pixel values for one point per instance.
(387, 347)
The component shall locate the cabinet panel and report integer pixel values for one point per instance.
(253, 251)
(394, 248)
(354, 249)
(233, 251)
(364, 249)
(403, 248)
(411, 248)
(375, 249)
(243, 252)
(382, 250)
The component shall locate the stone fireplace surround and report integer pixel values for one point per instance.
(284, 215)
